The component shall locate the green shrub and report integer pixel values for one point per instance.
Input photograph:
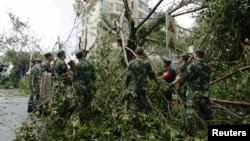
(24, 87)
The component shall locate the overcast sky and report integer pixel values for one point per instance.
(184, 20)
(53, 18)
(48, 18)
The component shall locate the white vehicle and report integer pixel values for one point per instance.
(7, 72)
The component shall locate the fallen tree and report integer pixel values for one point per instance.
(230, 74)
(240, 103)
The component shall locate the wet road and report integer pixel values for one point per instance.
(13, 112)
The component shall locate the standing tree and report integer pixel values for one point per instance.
(19, 46)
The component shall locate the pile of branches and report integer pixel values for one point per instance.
(110, 118)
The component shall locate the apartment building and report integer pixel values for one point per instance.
(90, 12)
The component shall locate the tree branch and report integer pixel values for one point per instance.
(127, 11)
(150, 14)
(160, 21)
(221, 107)
(190, 31)
(180, 5)
(242, 103)
(122, 37)
(70, 32)
(190, 11)
(229, 75)
(4, 46)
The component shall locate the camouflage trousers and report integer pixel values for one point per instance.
(34, 97)
(137, 100)
(197, 104)
(84, 96)
(182, 93)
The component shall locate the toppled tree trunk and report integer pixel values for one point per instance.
(240, 103)
(230, 74)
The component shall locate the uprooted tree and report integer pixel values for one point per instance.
(111, 119)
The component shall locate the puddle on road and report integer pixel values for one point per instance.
(13, 112)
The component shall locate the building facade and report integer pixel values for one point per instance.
(90, 13)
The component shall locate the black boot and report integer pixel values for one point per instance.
(30, 109)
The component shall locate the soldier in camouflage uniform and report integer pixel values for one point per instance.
(30, 108)
(182, 86)
(136, 80)
(34, 83)
(197, 77)
(61, 72)
(83, 82)
(46, 81)
(46, 66)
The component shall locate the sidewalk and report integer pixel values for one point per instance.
(13, 112)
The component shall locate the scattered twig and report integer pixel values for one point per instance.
(221, 107)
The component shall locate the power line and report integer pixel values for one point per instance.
(165, 5)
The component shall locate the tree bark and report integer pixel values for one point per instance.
(133, 29)
(132, 40)
(240, 103)
(122, 38)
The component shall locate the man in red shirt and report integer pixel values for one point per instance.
(168, 74)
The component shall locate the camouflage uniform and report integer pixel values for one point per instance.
(45, 67)
(83, 83)
(45, 93)
(183, 85)
(34, 83)
(61, 69)
(136, 80)
(197, 77)
(61, 73)
(30, 105)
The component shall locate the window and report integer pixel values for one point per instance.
(140, 4)
(107, 5)
(141, 15)
(119, 7)
(143, 6)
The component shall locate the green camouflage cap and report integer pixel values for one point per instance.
(185, 56)
(60, 53)
(47, 54)
(33, 61)
(39, 60)
(79, 53)
(71, 62)
(139, 50)
(199, 52)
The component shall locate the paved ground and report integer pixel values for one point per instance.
(12, 113)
